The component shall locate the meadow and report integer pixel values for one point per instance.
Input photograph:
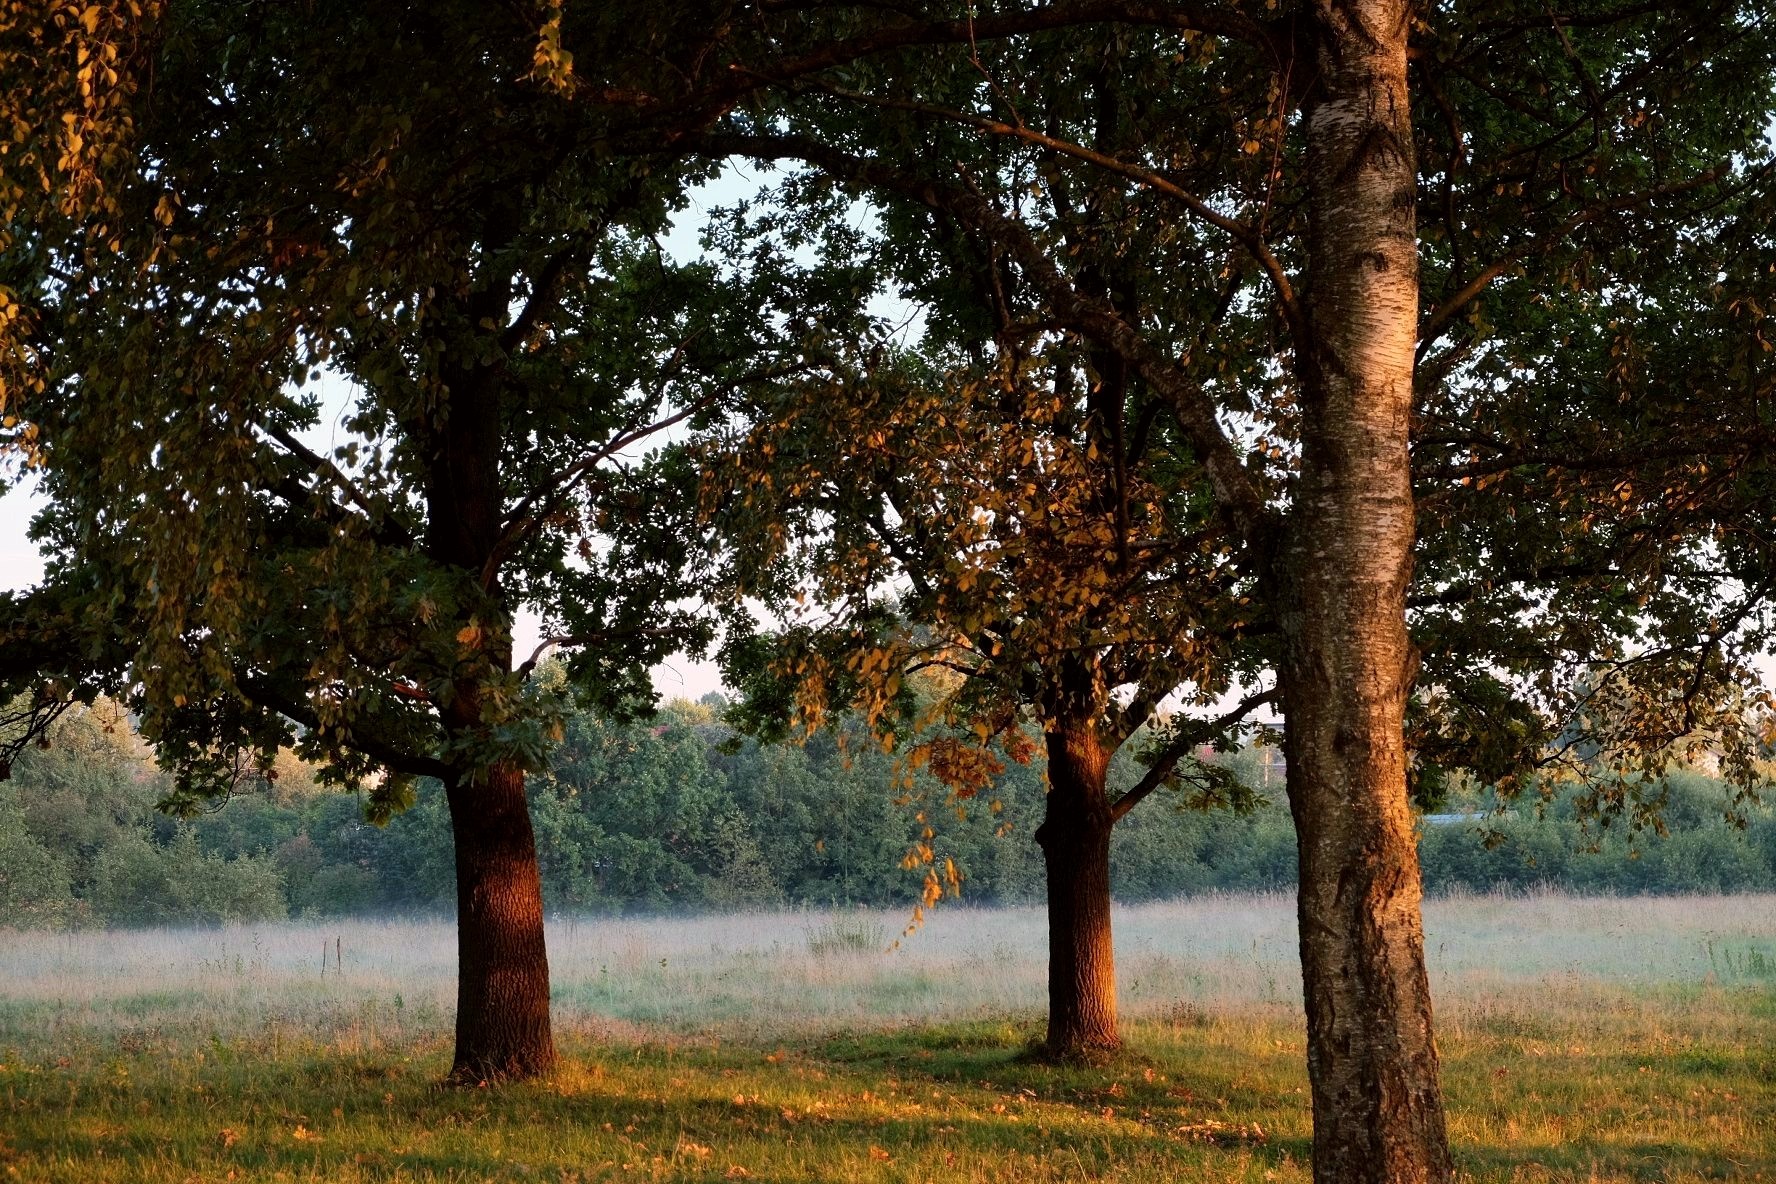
(1593, 1039)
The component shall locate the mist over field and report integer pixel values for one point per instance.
(678, 815)
(1587, 1033)
(807, 971)
(270, 988)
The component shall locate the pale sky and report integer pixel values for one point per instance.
(20, 565)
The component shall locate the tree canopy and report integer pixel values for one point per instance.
(307, 197)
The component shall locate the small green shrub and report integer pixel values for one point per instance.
(35, 892)
(1742, 963)
(847, 933)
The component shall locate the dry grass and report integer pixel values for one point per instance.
(722, 973)
(1583, 1039)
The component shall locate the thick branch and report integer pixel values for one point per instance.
(545, 290)
(380, 523)
(262, 691)
(1179, 747)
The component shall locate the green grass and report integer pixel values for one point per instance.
(1655, 1068)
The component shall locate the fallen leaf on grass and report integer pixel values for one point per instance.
(1220, 1134)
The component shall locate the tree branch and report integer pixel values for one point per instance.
(740, 80)
(526, 516)
(1235, 489)
(380, 523)
(1180, 745)
(262, 691)
(602, 637)
(1248, 237)
(1439, 318)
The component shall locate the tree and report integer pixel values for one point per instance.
(1003, 504)
(302, 196)
(305, 192)
(35, 891)
(1556, 137)
(991, 540)
(634, 817)
(1592, 494)
(1299, 122)
(1333, 567)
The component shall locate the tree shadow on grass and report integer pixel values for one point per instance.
(919, 1102)
(1588, 1158)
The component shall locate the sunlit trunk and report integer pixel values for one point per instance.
(1075, 842)
(502, 1011)
(502, 1000)
(1347, 665)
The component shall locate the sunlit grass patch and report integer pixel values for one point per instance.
(716, 1049)
(683, 1109)
(1222, 1101)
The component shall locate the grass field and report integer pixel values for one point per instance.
(1582, 1040)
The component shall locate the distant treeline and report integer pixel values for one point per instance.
(675, 815)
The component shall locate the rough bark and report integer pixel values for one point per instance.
(502, 1000)
(502, 1010)
(1075, 842)
(1347, 666)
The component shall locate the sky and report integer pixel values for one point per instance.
(20, 564)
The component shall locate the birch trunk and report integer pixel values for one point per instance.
(1347, 664)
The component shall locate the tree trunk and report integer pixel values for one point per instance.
(502, 1001)
(1075, 842)
(1347, 664)
(502, 997)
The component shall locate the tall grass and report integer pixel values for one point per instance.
(1584, 1039)
(710, 972)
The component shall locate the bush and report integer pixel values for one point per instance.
(847, 933)
(35, 890)
(1550, 847)
(637, 817)
(140, 883)
(336, 891)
